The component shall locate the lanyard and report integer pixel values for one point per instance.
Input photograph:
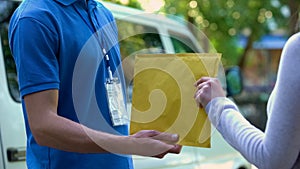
(110, 76)
(114, 89)
(94, 26)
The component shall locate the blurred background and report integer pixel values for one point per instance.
(249, 34)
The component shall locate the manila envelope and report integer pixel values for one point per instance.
(163, 95)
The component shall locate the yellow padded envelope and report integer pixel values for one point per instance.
(163, 95)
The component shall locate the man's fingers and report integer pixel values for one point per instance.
(167, 137)
(146, 133)
(176, 150)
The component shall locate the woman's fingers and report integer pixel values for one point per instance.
(207, 89)
(201, 80)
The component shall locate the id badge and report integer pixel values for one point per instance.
(116, 103)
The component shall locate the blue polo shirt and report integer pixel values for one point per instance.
(56, 44)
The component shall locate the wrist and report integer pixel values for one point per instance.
(215, 108)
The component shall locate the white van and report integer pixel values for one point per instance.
(140, 32)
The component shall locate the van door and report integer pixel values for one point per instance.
(12, 130)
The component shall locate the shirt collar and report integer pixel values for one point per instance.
(67, 2)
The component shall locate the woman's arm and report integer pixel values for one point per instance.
(279, 146)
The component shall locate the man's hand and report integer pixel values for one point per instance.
(167, 141)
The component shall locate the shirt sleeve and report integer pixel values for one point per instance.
(279, 146)
(34, 47)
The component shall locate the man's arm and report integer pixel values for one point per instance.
(50, 129)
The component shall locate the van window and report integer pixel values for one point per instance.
(136, 38)
(7, 8)
(182, 43)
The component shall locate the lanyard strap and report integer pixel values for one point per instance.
(91, 5)
(95, 27)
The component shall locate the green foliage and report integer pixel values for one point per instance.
(134, 4)
(131, 3)
(223, 21)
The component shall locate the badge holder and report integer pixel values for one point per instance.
(115, 98)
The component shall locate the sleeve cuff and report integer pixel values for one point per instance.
(38, 88)
(215, 108)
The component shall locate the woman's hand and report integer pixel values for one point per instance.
(207, 89)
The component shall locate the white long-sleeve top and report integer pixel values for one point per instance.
(279, 146)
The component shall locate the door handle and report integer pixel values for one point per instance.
(16, 154)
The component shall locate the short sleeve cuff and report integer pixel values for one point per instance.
(37, 88)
